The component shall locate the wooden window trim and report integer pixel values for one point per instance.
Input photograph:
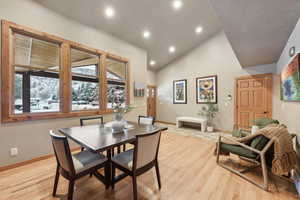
(127, 79)
(7, 115)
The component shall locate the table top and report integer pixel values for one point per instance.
(100, 138)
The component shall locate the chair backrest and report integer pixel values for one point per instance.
(146, 149)
(62, 152)
(146, 120)
(91, 120)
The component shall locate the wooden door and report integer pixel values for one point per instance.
(253, 99)
(151, 100)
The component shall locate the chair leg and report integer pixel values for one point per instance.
(107, 175)
(82, 148)
(119, 149)
(157, 174)
(71, 189)
(113, 174)
(134, 187)
(124, 147)
(218, 149)
(264, 172)
(56, 181)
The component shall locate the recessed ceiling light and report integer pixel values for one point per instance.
(152, 62)
(198, 30)
(172, 49)
(146, 34)
(177, 4)
(109, 12)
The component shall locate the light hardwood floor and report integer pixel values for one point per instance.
(188, 172)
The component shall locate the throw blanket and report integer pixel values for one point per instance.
(284, 155)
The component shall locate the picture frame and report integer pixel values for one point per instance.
(207, 86)
(180, 91)
(139, 89)
(290, 81)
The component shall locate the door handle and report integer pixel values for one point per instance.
(265, 112)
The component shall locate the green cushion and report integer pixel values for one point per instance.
(239, 133)
(236, 133)
(259, 142)
(238, 150)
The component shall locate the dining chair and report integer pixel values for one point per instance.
(146, 120)
(73, 167)
(139, 160)
(83, 120)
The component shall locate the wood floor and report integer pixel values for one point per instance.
(188, 172)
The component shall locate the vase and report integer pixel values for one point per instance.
(118, 124)
(254, 129)
(210, 128)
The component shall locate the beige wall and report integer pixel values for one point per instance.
(32, 137)
(288, 112)
(214, 57)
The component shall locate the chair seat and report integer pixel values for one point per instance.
(87, 159)
(238, 150)
(125, 159)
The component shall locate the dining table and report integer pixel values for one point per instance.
(101, 138)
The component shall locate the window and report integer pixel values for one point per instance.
(116, 82)
(85, 80)
(44, 76)
(36, 79)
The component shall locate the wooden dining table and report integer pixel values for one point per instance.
(100, 138)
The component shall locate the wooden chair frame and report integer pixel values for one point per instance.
(142, 116)
(262, 163)
(90, 118)
(137, 171)
(73, 176)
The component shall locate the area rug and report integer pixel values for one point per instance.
(185, 131)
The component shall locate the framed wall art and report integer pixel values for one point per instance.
(206, 89)
(290, 80)
(180, 91)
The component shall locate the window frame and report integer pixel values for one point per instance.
(65, 75)
(126, 81)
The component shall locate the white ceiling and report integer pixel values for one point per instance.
(257, 29)
(167, 26)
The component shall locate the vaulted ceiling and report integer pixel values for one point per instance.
(256, 29)
(167, 26)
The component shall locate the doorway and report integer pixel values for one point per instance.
(253, 99)
(151, 100)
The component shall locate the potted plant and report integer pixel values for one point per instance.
(209, 111)
(116, 97)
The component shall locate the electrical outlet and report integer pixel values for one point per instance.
(14, 151)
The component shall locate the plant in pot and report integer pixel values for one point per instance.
(116, 97)
(209, 111)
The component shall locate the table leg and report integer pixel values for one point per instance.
(108, 169)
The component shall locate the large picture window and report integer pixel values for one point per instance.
(36, 75)
(44, 76)
(85, 80)
(116, 81)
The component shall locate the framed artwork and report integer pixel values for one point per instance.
(139, 89)
(206, 89)
(179, 92)
(290, 80)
